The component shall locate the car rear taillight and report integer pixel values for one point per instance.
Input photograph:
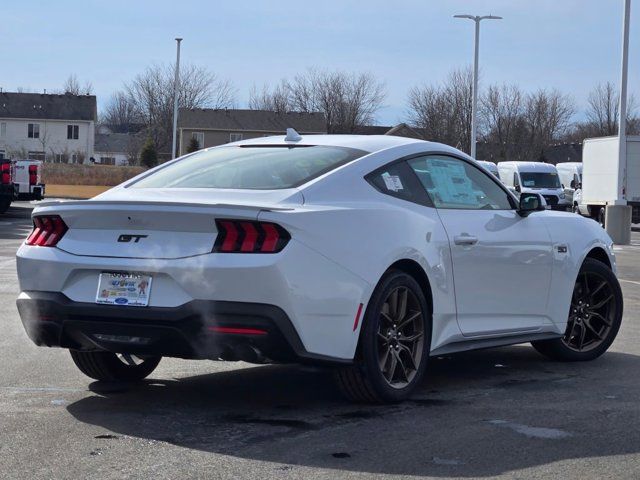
(33, 174)
(47, 231)
(5, 173)
(244, 236)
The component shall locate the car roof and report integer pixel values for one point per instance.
(367, 143)
(530, 166)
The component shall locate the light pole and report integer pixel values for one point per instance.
(624, 74)
(618, 215)
(176, 83)
(474, 106)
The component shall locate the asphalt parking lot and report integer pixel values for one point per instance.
(507, 412)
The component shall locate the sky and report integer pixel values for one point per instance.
(571, 45)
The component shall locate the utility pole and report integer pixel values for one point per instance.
(176, 85)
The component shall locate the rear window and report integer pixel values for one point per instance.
(252, 168)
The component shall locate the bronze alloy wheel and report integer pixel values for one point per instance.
(400, 337)
(593, 312)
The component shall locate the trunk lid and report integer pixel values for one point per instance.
(154, 228)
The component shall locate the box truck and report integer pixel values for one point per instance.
(604, 182)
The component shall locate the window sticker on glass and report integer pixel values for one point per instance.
(392, 182)
(529, 183)
(453, 184)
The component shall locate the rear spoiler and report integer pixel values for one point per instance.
(61, 204)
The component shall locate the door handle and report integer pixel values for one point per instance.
(465, 240)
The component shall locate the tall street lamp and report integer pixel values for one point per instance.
(474, 107)
(176, 84)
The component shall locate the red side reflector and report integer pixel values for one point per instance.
(47, 231)
(238, 331)
(244, 236)
(357, 319)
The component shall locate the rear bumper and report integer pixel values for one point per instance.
(198, 329)
(35, 192)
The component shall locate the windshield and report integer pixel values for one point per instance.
(252, 168)
(540, 180)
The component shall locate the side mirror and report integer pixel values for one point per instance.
(531, 202)
(579, 186)
(517, 188)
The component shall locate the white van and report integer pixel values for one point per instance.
(492, 167)
(570, 174)
(535, 177)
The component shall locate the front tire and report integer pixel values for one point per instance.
(111, 367)
(594, 317)
(394, 343)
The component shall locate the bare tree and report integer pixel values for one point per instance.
(443, 112)
(547, 116)
(148, 99)
(347, 100)
(604, 109)
(501, 113)
(120, 115)
(72, 86)
(277, 99)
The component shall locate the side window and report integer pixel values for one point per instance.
(397, 180)
(455, 184)
(516, 180)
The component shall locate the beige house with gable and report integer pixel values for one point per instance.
(212, 127)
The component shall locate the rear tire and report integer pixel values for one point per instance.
(394, 343)
(4, 205)
(108, 367)
(602, 216)
(591, 327)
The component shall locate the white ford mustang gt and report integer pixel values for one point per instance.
(366, 253)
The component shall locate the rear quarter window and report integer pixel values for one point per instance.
(398, 180)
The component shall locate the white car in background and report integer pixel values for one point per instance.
(570, 174)
(490, 166)
(333, 250)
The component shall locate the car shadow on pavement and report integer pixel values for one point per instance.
(15, 224)
(477, 414)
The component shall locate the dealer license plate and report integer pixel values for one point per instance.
(126, 289)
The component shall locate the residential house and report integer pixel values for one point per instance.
(116, 148)
(211, 127)
(52, 128)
